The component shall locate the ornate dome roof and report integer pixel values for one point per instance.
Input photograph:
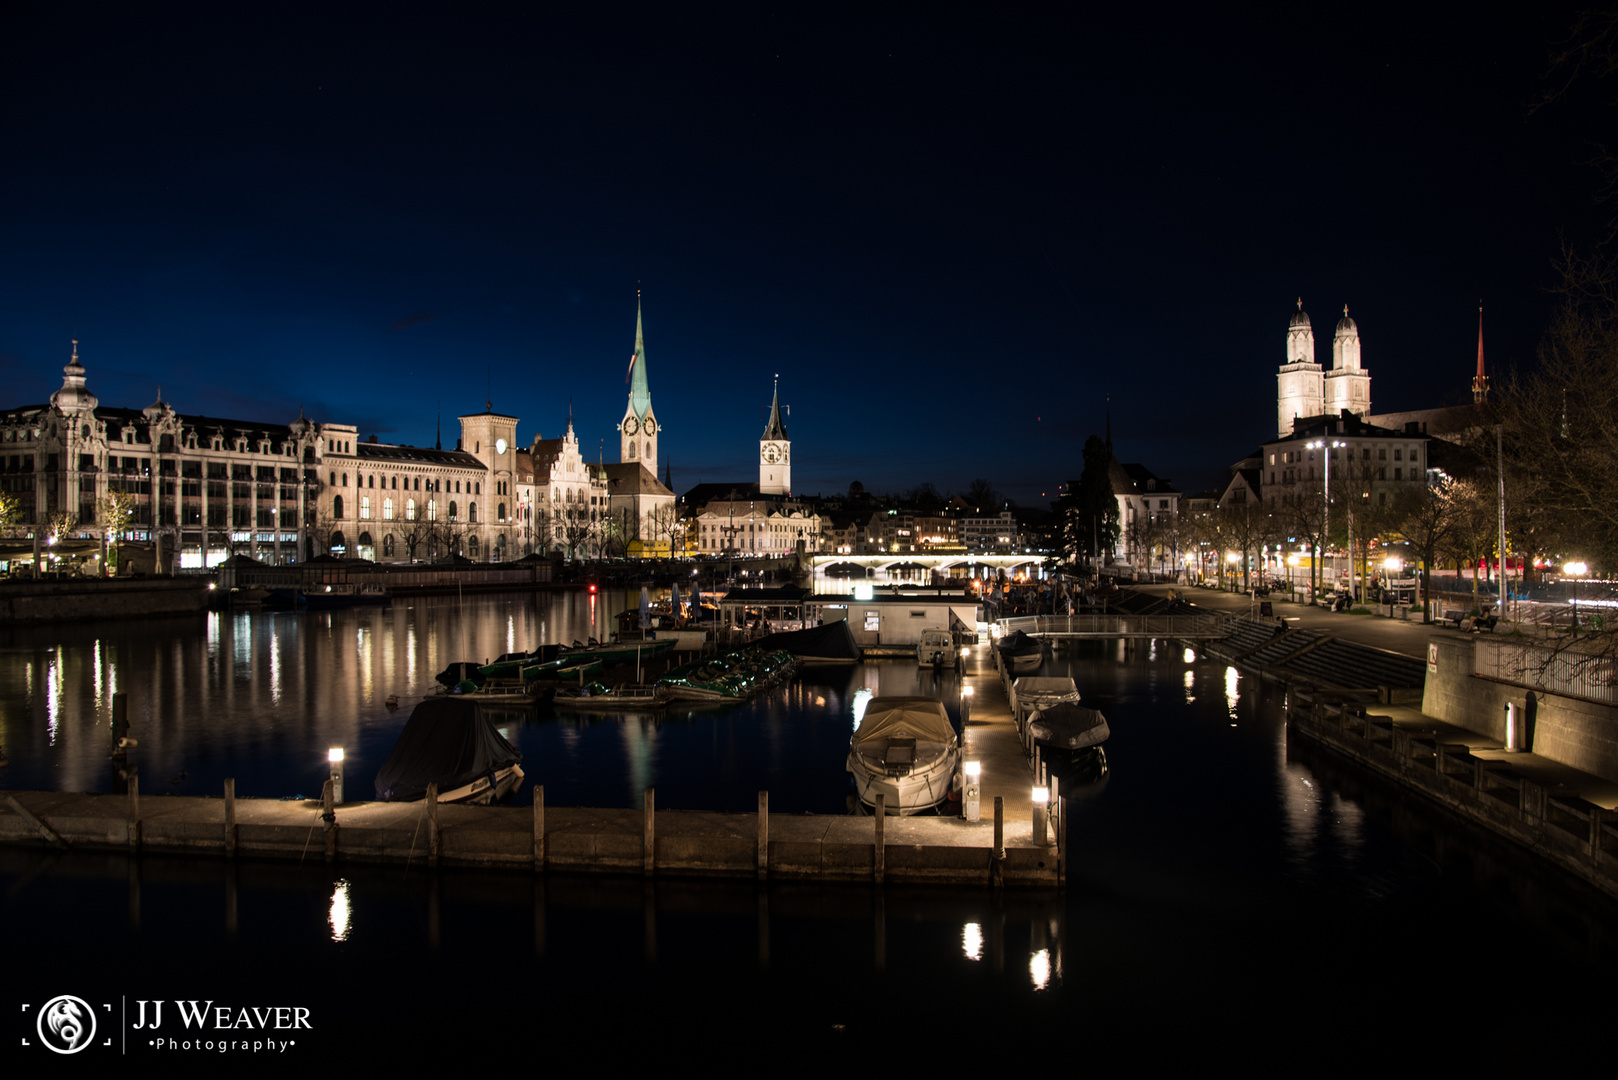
(73, 395)
(1301, 318)
(1347, 327)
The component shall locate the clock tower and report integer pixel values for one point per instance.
(775, 452)
(638, 430)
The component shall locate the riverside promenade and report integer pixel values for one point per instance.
(1563, 814)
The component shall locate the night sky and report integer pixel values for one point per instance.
(953, 232)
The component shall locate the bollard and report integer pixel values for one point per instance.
(539, 828)
(328, 799)
(881, 820)
(649, 834)
(763, 835)
(997, 863)
(134, 813)
(432, 825)
(120, 723)
(1041, 801)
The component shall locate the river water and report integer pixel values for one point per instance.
(1233, 900)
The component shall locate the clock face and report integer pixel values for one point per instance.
(630, 425)
(499, 446)
(772, 453)
(651, 426)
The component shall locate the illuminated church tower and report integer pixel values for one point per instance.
(638, 430)
(1299, 391)
(775, 452)
(1348, 384)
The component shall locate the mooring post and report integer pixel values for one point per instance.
(649, 834)
(230, 818)
(120, 722)
(881, 819)
(432, 825)
(134, 813)
(997, 864)
(328, 814)
(539, 828)
(763, 835)
(1061, 841)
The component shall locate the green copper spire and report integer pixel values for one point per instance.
(640, 396)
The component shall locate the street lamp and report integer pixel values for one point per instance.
(1575, 570)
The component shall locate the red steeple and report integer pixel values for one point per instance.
(1480, 381)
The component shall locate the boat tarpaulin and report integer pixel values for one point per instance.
(831, 642)
(1068, 726)
(915, 717)
(1043, 691)
(446, 741)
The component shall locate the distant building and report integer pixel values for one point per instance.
(1304, 388)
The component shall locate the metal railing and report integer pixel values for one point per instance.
(1119, 625)
(1567, 672)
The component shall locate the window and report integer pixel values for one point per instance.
(410, 509)
(337, 507)
(365, 508)
(452, 510)
(387, 509)
(432, 509)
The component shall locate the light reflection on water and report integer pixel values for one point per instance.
(1214, 875)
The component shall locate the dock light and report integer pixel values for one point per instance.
(972, 791)
(335, 757)
(1042, 813)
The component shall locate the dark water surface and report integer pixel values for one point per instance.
(1232, 902)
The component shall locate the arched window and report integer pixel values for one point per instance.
(337, 507)
(452, 510)
(432, 509)
(501, 512)
(472, 547)
(333, 479)
(387, 546)
(410, 509)
(387, 509)
(472, 512)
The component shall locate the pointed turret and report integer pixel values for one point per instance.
(1480, 381)
(640, 395)
(637, 431)
(775, 429)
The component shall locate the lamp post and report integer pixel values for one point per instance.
(1575, 570)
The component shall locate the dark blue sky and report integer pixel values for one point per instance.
(954, 237)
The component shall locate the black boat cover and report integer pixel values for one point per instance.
(446, 741)
(834, 641)
(1069, 726)
(1018, 643)
(459, 672)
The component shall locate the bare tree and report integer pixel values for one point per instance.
(1425, 518)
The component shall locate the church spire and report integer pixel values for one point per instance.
(1480, 381)
(640, 395)
(775, 429)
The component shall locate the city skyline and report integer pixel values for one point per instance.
(953, 243)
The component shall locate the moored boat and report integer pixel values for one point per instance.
(449, 742)
(1019, 652)
(905, 749)
(598, 698)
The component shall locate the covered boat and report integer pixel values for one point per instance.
(1019, 652)
(1066, 726)
(448, 741)
(832, 643)
(905, 749)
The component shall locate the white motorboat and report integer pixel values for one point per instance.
(905, 750)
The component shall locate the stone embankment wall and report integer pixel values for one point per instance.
(66, 601)
(1570, 731)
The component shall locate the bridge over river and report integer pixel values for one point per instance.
(977, 562)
